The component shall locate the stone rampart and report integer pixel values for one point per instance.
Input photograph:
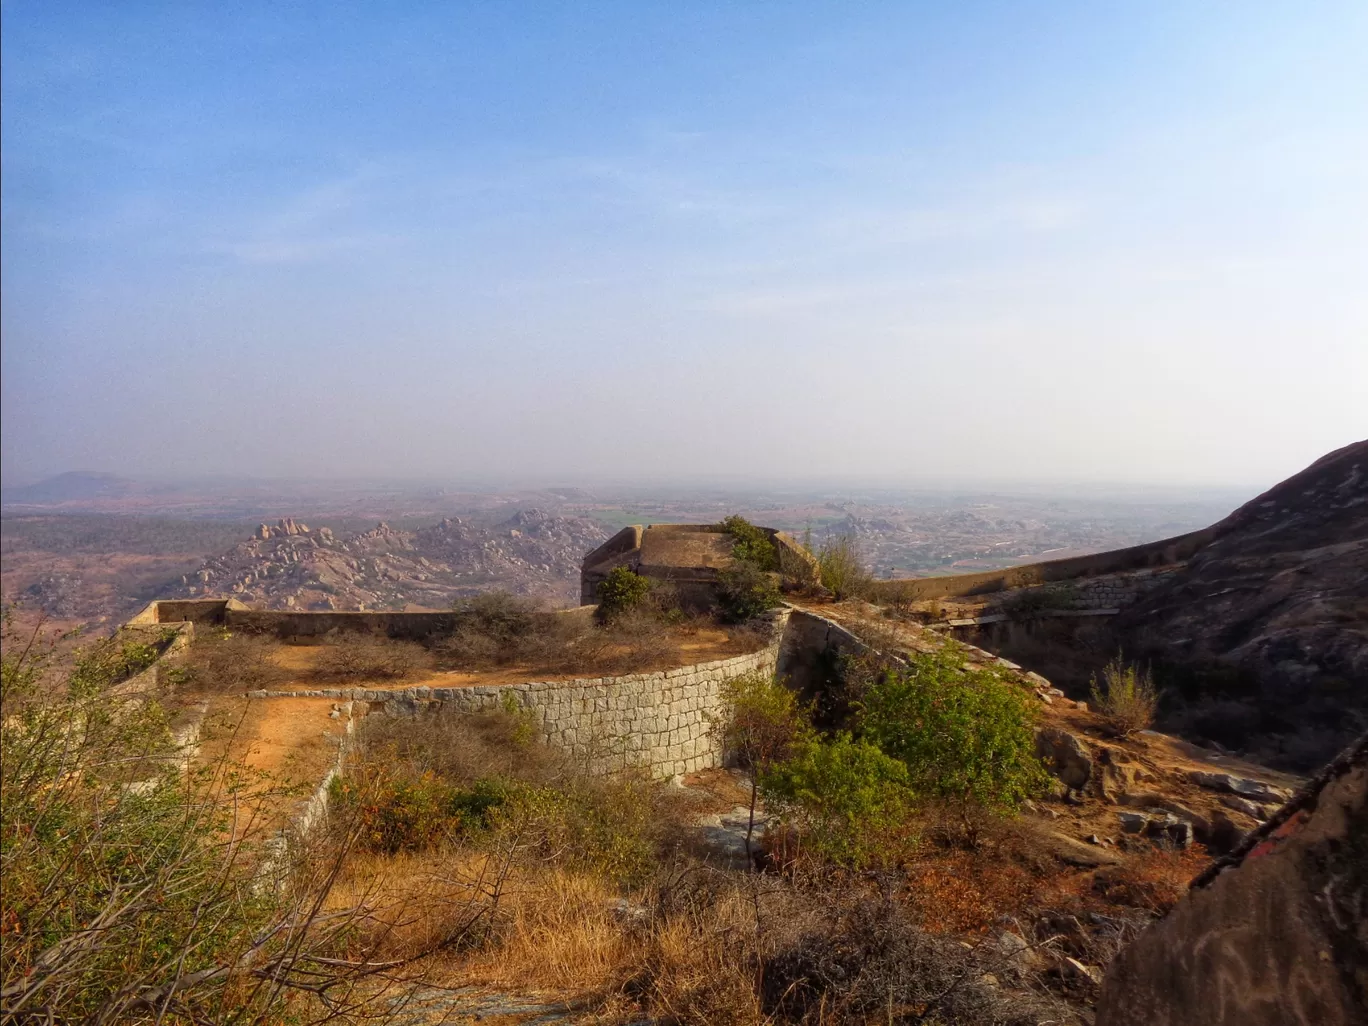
(1102, 592)
(1138, 557)
(662, 721)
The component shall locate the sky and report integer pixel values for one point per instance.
(886, 242)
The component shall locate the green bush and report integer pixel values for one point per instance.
(764, 722)
(744, 591)
(965, 734)
(620, 591)
(845, 796)
(751, 544)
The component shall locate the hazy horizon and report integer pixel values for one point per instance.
(904, 245)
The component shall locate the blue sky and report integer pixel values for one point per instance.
(886, 242)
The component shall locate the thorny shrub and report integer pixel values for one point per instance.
(221, 662)
(868, 961)
(497, 629)
(359, 657)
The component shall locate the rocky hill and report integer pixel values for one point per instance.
(287, 565)
(1264, 633)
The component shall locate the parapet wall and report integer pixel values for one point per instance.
(662, 722)
(1138, 557)
(291, 624)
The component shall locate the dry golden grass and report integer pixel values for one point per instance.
(559, 931)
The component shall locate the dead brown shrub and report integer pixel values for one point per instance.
(500, 630)
(1153, 882)
(359, 657)
(222, 663)
(869, 961)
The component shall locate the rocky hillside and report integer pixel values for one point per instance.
(1111, 793)
(289, 566)
(1263, 636)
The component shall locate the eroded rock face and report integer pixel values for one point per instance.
(1260, 639)
(1279, 935)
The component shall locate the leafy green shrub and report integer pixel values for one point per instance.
(1031, 603)
(764, 722)
(744, 591)
(752, 545)
(621, 590)
(965, 734)
(1125, 696)
(842, 568)
(845, 796)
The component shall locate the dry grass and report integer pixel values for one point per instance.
(693, 946)
(557, 930)
(685, 943)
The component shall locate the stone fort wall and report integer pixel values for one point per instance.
(1129, 562)
(661, 721)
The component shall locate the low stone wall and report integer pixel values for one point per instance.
(658, 721)
(286, 624)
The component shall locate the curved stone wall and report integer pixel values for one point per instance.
(659, 721)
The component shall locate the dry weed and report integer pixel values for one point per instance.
(1125, 696)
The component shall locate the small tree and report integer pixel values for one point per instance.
(1125, 696)
(621, 590)
(765, 725)
(846, 795)
(965, 734)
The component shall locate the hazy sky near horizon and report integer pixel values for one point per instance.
(888, 242)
